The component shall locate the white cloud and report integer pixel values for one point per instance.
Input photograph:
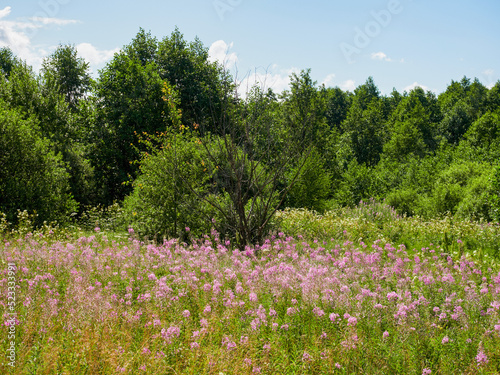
(380, 56)
(53, 21)
(488, 72)
(275, 78)
(219, 51)
(488, 78)
(414, 85)
(328, 81)
(18, 34)
(96, 58)
(348, 85)
(5, 12)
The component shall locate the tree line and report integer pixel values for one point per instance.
(165, 133)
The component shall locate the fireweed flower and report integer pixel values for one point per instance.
(291, 311)
(445, 340)
(170, 333)
(352, 321)
(306, 357)
(186, 314)
(385, 334)
(426, 371)
(318, 312)
(481, 357)
(334, 317)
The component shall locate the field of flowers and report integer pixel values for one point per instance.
(98, 304)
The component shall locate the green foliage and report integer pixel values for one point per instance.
(365, 127)
(201, 84)
(355, 185)
(68, 73)
(32, 176)
(494, 196)
(462, 103)
(163, 202)
(426, 155)
(377, 221)
(304, 110)
(312, 186)
(461, 189)
(39, 97)
(106, 218)
(129, 92)
(337, 107)
(7, 61)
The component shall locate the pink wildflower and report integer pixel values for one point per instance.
(352, 321)
(481, 357)
(195, 345)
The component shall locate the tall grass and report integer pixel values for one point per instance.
(373, 220)
(97, 305)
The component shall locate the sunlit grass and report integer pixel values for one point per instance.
(100, 305)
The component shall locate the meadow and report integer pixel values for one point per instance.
(353, 291)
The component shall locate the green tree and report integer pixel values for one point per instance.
(200, 83)
(129, 96)
(462, 103)
(365, 131)
(166, 194)
(32, 176)
(413, 125)
(7, 61)
(312, 184)
(304, 110)
(34, 96)
(68, 73)
(337, 107)
(366, 93)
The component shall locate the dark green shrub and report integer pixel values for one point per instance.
(32, 176)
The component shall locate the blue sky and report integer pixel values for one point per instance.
(400, 43)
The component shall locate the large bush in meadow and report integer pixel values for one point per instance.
(165, 201)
